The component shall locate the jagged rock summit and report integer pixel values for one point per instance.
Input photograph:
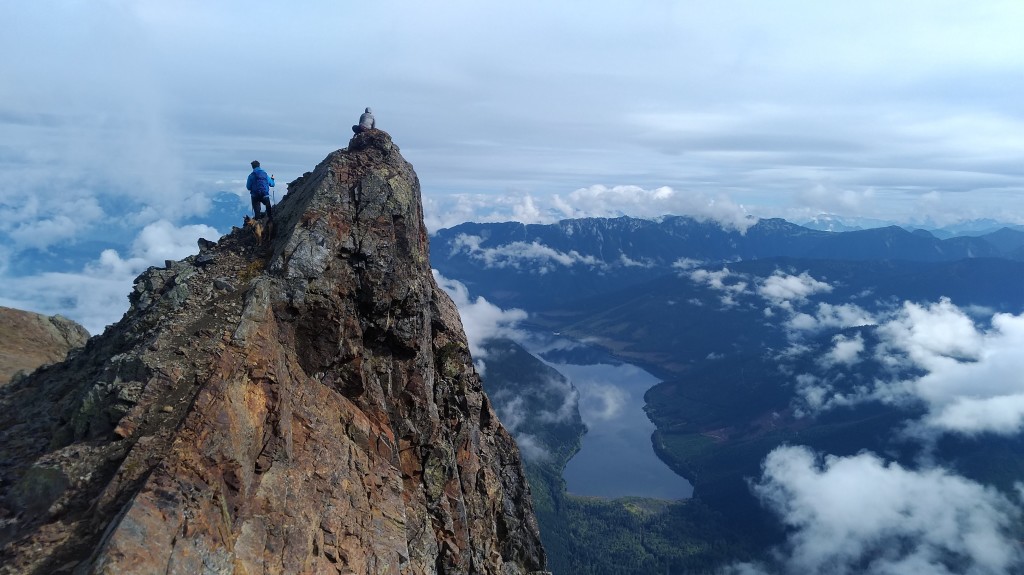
(308, 405)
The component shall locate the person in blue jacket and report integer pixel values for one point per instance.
(259, 184)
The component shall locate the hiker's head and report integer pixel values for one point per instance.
(368, 110)
(255, 163)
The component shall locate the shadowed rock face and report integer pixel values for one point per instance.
(29, 340)
(304, 406)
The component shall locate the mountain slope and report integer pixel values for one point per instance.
(29, 340)
(308, 405)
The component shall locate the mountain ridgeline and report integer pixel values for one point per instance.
(664, 241)
(305, 405)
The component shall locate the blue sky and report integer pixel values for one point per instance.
(124, 125)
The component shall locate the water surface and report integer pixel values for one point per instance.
(616, 458)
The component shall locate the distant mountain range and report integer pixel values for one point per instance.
(837, 223)
(537, 266)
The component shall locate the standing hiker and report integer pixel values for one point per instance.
(366, 122)
(259, 184)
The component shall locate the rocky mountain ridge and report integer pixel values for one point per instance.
(29, 340)
(307, 405)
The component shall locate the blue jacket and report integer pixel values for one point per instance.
(259, 183)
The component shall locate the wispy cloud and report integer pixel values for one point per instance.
(601, 401)
(533, 256)
(730, 284)
(531, 447)
(830, 316)
(780, 290)
(481, 319)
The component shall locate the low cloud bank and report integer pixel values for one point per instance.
(544, 401)
(596, 201)
(534, 255)
(97, 295)
(861, 514)
(481, 319)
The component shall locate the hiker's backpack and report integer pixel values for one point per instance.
(260, 183)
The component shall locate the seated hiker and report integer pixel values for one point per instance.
(259, 184)
(366, 122)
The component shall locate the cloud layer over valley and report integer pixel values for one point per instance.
(951, 371)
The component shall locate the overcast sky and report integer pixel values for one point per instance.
(118, 115)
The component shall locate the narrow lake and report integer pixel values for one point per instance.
(617, 458)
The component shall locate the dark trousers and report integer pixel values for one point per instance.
(258, 202)
(359, 129)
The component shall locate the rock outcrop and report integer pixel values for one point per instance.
(30, 340)
(307, 405)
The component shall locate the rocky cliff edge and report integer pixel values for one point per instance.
(307, 405)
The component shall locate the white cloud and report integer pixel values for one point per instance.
(730, 283)
(860, 514)
(845, 351)
(36, 221)
(829, 199)
(604, 201)
(830, 316)
(686, 264)
(934, 336)
(481, 319)
(530, 255)
(631, 263)
(782, 287)
(531, 447)
(600, 401)
(596, 201)
(967, 377)
(98, 294)
(973, 381)
(445, 211)
(560, 392)
(511, 410)
(557, 395)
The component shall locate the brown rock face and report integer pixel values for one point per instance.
(304, 406)
(29, 340)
